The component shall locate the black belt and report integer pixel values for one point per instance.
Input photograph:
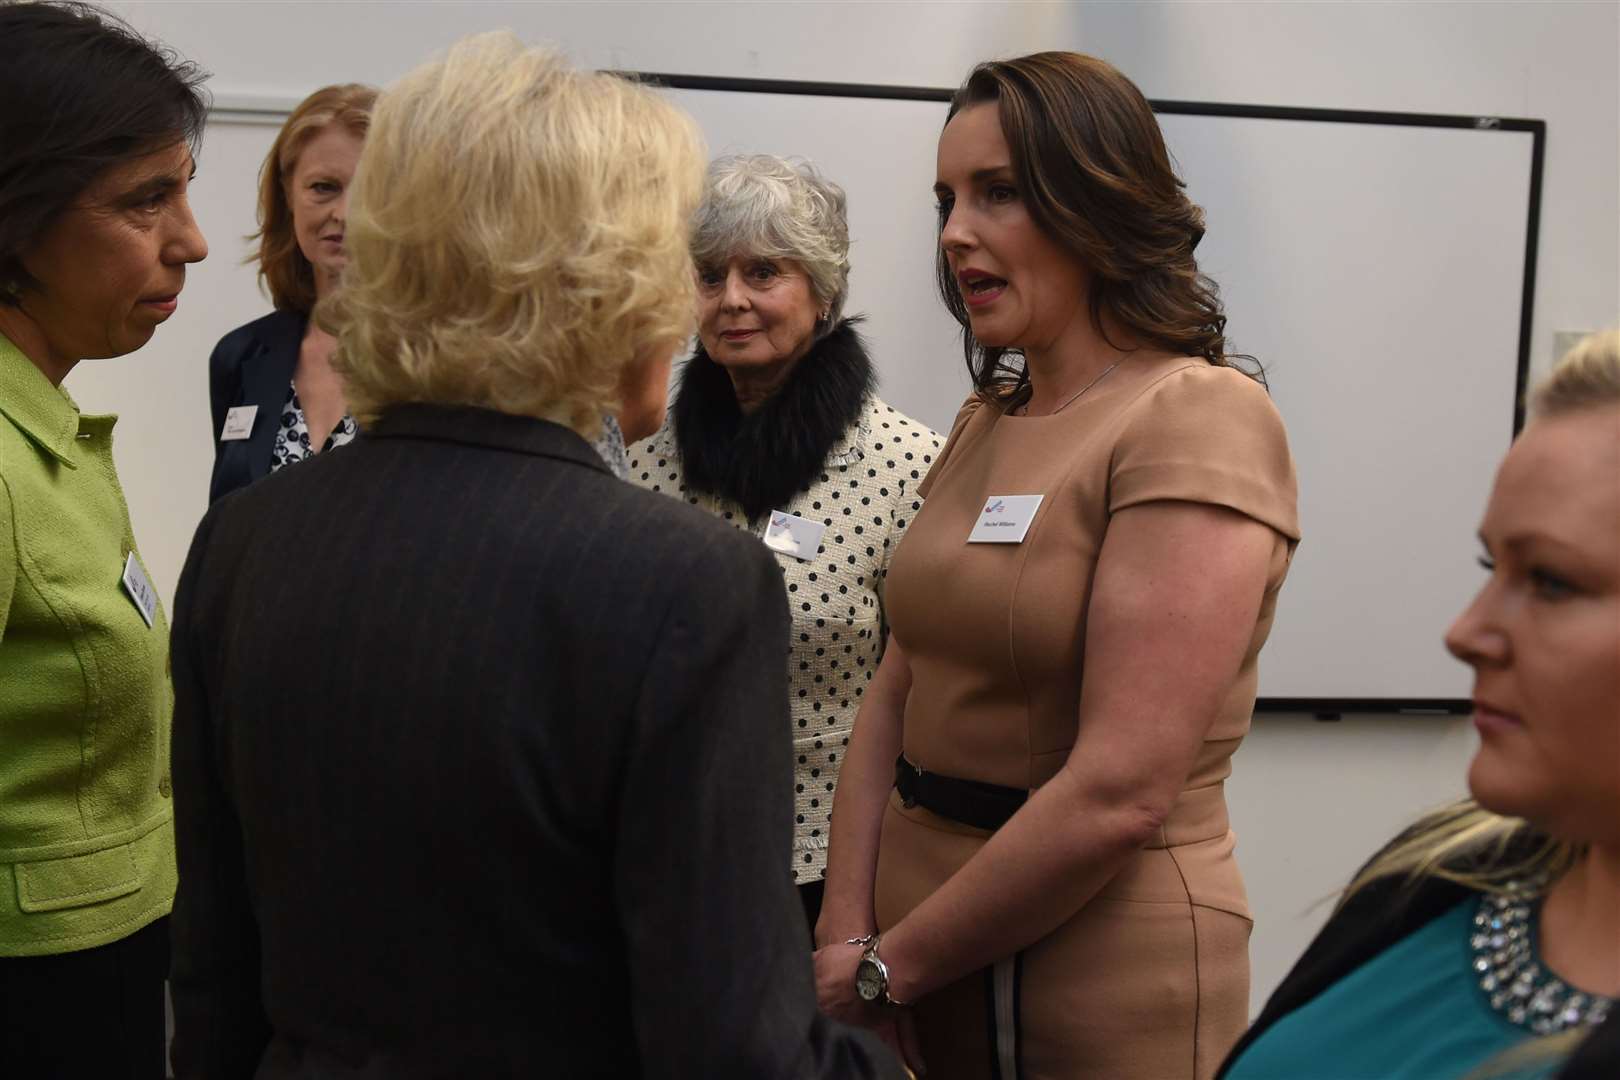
(971, 802)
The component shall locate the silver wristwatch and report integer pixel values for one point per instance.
(872, 974)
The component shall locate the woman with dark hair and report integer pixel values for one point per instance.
(1485, 940)
(97, 133)
(1030, 841)
(276, 399)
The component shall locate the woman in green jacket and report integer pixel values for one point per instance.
(97, 128)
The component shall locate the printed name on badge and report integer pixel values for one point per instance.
(1005, 519)
(140, 589)
(793, 535)
(238, 423)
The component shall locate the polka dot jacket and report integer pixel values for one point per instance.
(866, 496)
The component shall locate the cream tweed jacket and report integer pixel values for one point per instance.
(866, 496)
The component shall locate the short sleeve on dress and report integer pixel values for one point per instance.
(1211, 435)
(963, 415)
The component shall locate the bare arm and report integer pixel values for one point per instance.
(1175, 597)
(863, 791)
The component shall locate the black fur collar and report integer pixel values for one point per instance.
(763, 459)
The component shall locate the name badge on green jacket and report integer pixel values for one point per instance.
(140, 589)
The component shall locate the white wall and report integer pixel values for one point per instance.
(1310, 800)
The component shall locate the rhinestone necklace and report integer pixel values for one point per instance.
(1506, 965)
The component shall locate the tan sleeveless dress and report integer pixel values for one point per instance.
(1150, 979)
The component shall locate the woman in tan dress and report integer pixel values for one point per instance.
(1031, 810)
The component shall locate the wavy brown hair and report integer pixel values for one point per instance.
(283, 270)
(1095, 174)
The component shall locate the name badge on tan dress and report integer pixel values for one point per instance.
(1005, 519)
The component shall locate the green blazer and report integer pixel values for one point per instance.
(86, 829)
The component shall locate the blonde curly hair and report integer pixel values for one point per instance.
(517, 237)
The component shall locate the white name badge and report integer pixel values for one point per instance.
(238, 423)
(1005, 519)
(140, 589)
(793, 535)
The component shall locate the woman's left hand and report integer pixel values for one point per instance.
(835, 987)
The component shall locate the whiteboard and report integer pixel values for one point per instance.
(1378, 272)
(1376, 269)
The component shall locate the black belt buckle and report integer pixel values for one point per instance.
(970, 802)
(906, 776)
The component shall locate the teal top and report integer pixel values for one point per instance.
(86, 829)
(1413, 1012)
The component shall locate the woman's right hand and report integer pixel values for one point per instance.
(835, 994)
(835, 986)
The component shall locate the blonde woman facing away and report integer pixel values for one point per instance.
(1485, 941)
(460, 841)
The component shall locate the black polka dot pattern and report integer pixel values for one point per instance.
(865, 499)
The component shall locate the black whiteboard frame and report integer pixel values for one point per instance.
(1321, 707)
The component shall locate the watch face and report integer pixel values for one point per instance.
(868, 980)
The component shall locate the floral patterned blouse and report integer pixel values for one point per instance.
(292, 440)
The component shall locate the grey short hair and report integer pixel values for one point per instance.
(777, 208)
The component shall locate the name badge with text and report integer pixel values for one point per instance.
(140, 589)
(793, 535)
(1005, 519)
(238, 423)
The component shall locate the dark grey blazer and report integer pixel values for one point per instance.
(251, 365)
(473, 776)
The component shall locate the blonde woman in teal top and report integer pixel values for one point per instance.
(1485, 941)
(96, 135)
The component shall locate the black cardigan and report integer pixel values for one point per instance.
(1381, 914)
(251, 365)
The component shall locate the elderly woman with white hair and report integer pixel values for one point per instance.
(778, 429)
(439, 832)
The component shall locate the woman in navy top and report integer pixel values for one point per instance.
(275, 397)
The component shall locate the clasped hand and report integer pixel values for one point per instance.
(835, 993)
